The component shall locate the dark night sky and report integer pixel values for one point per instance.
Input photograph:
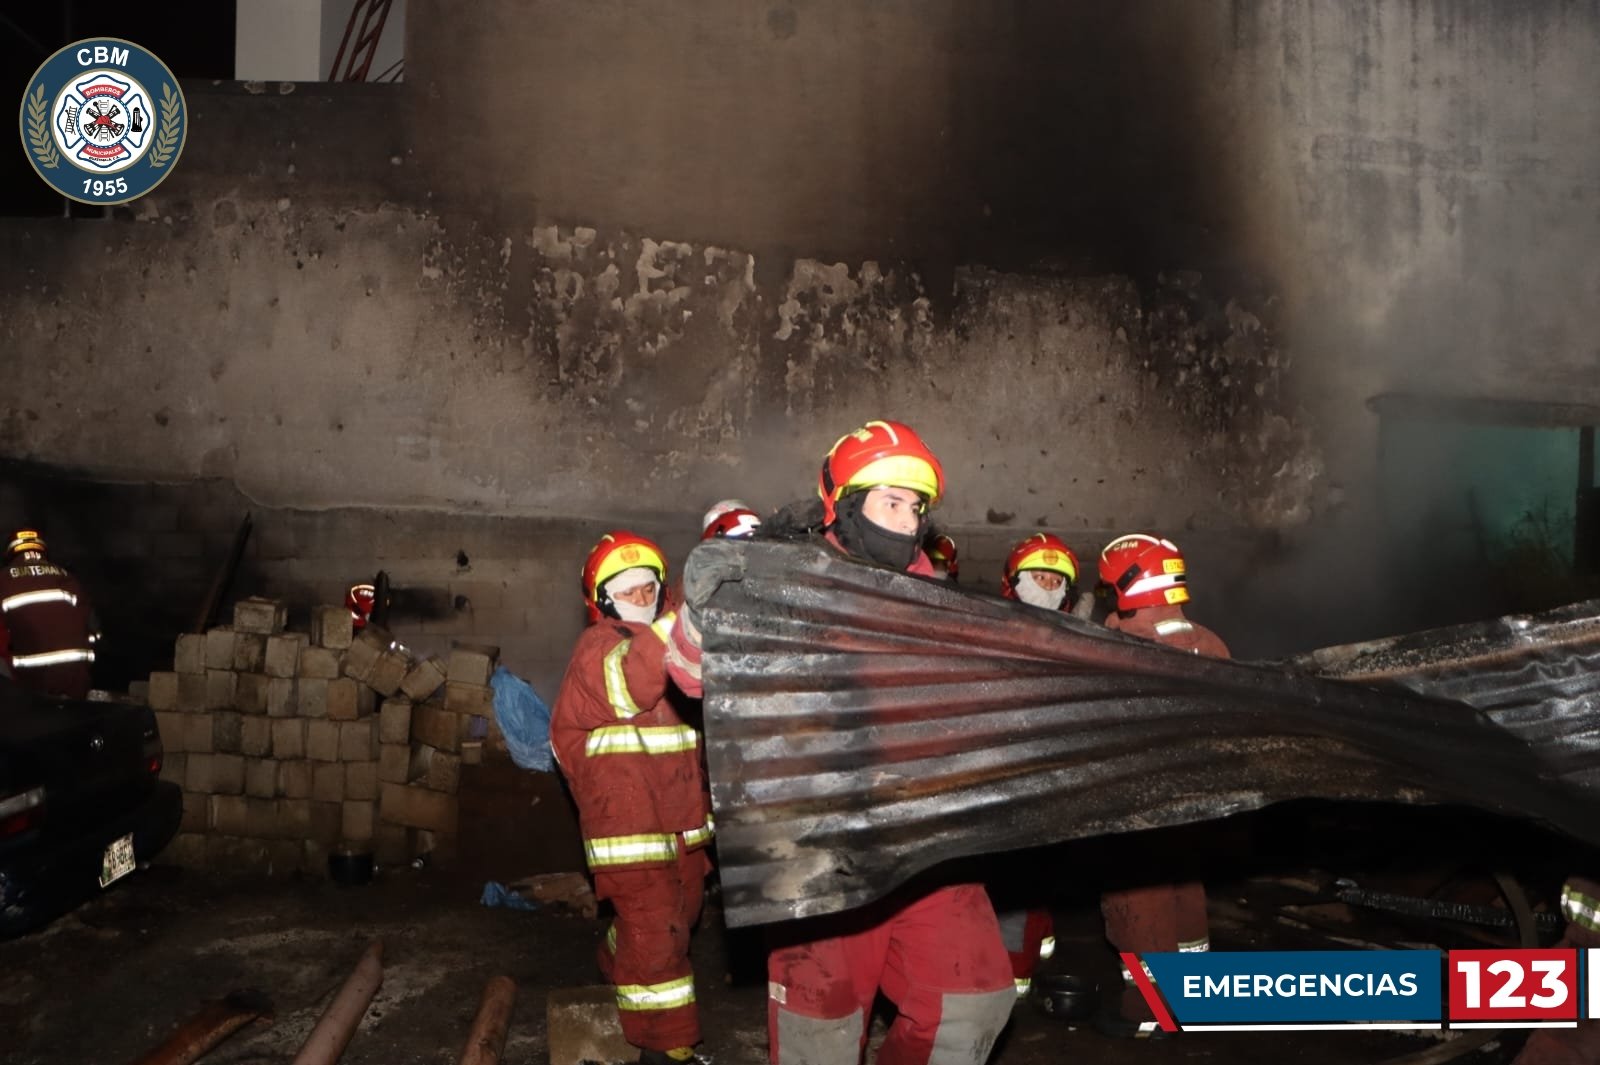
(194, 39)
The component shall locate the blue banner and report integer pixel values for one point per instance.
(1388, 988)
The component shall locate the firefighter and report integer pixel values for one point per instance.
(936, 953)
(52, 626)
(941, 551)
(1041, 571)
(360, 600)
(1580, 905)
(1147, 577)
(634, 770)
(731, 518)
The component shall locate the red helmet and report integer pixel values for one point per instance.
(879, 454)
(360, 600)
(941, 551)
(616, 551)
(1144, 571)
(1041, 551)
(731, 518)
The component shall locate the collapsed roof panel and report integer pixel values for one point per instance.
(864, 725)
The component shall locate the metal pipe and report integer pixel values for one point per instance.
(210, 1025)
(338, 1023)
(487, 1038)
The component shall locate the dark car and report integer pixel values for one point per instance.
(82, 803)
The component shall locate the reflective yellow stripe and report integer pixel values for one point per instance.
(629, 850)
(617, 684)
(1047, 947)
(1579, 908)
(667, 996)
(650, 739)
(43, 595)
(611, 938)
(662, 626)
(1171, 626)
(1023, 984)
(696, 836)
(1194, 946)
(52, 658)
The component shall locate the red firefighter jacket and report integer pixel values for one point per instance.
(1167, 626)
(50, 623)
(633, 765)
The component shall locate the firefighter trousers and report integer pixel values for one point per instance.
(646, 951)
(938, 957)
(1154, 917)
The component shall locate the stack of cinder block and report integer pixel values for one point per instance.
(427, 729)
(277, 741)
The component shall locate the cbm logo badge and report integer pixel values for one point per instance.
(103, 121)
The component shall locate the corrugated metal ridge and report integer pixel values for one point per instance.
(864, 725)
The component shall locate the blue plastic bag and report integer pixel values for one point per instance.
(523, 719)
(497, 894)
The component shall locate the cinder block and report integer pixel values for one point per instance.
(437, 727)
(358, 741)
(221, 684)
(139, 691)
(191, 692)
(390, 671)
(366, 700)
(471, 663)
(215, 774)
(471, 752)
(219, 648)
(327, 781)
(442, 847)
(343, 700)
(187, 850)
(294, 819)
(322, 741)
(361, 780)
(360, 818)
(259, 616)
(283, 696)
(172, 730)
(323, 663)
(391, 844)
(327, 823)
(474, 699)
(295, 779)
(189, 653)
(283, 856)
(288, 738)
(249, 652)
(250, 693)
(313, 700)
(394, 721)
(314, 859)
(331, 626)
(283, 654)
(226, 729)
(443, 772)
(198, 734)
(173, 767)
(239, 857)
(196, 813)
(394, 763)
(260, 777)
(365, 651)
(423, 679)
(236, 815)
(255, 736)
(418, 808)
(163, 691)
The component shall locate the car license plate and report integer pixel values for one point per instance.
(118, 861)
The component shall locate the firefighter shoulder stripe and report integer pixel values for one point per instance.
(617, 692)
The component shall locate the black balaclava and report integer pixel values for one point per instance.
(871, 541)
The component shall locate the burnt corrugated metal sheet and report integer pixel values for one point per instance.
(863, 725)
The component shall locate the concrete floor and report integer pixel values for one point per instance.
(111, 980)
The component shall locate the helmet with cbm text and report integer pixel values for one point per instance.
(615, 552)
(1043, 553)
(880, 454)
(1143, 570)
